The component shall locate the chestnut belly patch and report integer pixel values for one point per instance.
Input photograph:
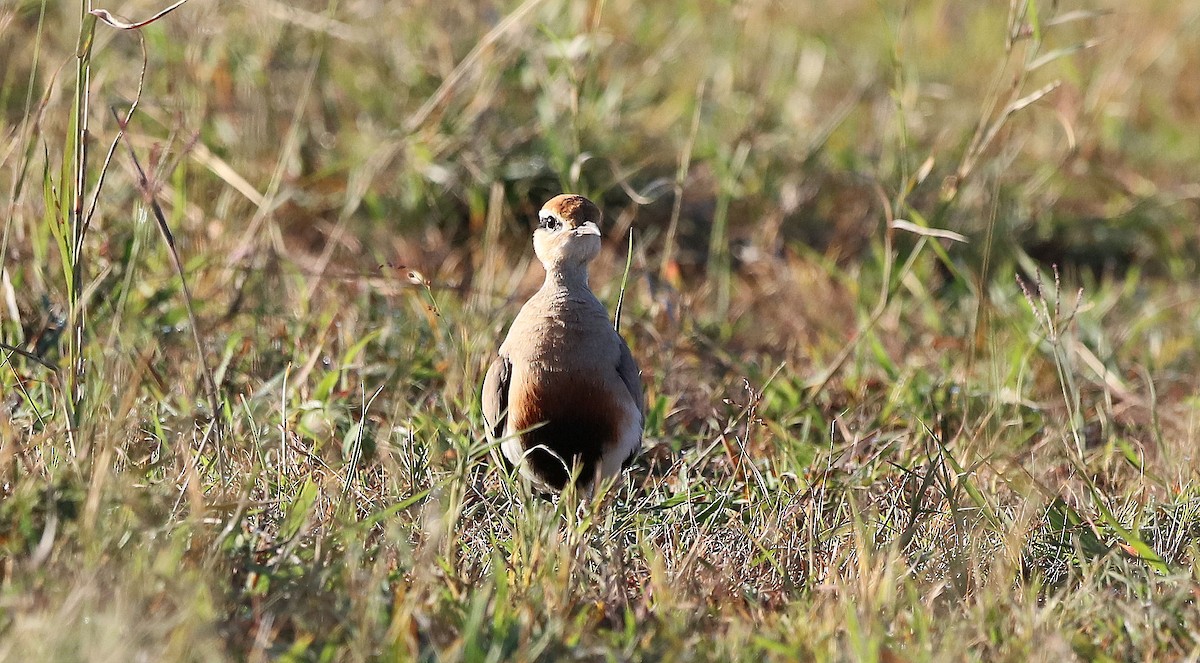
(567, 421)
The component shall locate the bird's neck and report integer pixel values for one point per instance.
(570, 277)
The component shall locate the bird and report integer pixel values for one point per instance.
(563, 395)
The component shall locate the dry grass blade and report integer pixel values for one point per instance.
(114, 22)
(465, 67)
(112, 148)
(206, 374)
(223, 170)
(681, 174)
(1078, 15)
(30, 356)
(1057, 53)
(314, 21)
(909, 226)
(1022, 103)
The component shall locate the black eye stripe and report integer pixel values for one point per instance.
(549, 222)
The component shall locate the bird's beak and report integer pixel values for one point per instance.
(589, 228)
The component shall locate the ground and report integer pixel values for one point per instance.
(914, 289)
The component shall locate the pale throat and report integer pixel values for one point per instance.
(566, 275)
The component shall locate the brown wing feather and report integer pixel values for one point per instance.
(495, 396)
(628, 370)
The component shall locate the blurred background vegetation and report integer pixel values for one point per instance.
(914, 290)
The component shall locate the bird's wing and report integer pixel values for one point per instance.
(631, 376)
(628, 370)
(495, 396)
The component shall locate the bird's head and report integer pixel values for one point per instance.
(568, 232)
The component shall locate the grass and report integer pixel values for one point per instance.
(913, 289)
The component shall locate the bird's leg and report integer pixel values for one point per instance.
(595, 487)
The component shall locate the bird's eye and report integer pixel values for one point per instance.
(550, 222)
